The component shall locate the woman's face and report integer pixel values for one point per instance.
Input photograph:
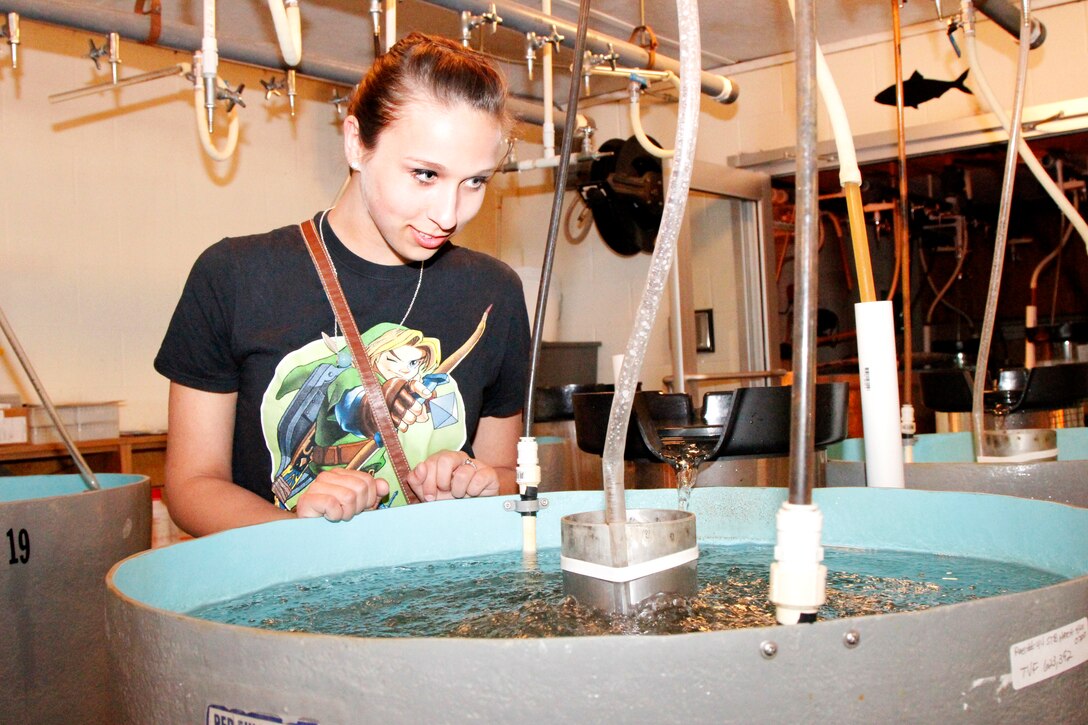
(424, 178)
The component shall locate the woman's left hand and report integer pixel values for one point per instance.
(452, 474)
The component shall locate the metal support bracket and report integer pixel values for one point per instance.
(522, 506)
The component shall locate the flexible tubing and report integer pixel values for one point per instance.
(288, 24)
(1066, 234)
(635, 114)
(947, 286)
(1026, 153)
(1014, 130)
(205, 135)
(671, 219)
(933, 286)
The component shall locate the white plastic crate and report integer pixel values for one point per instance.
(84, 422)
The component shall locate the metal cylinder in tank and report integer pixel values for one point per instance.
(651, 535)
(59, 542)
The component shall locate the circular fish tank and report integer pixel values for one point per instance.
(946, 462)
(59, 541)
(1005, 658)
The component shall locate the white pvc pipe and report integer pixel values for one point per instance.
(679, 376)
(390, 23)
(208, 45)
(286, 18)
(548, 128)
(879, 378)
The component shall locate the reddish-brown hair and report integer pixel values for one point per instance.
(421, 67)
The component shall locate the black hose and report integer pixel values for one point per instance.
(567, 143)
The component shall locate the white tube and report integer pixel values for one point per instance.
(1026, 154)
(681, 384)
(1030, 320)
(204, 133)
(548, 128)
(798, 575)
(390, 23)
(849, 173)
(879, 394)
(528, 476)
(208, 45)
(635, 115)
(285, 16)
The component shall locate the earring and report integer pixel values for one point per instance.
(355, 166)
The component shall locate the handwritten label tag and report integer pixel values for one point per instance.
(1049, 654)
(218, 715)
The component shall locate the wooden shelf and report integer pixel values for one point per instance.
(143, 454)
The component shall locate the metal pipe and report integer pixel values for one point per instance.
(806, 215)
(174, 70)
(89, 479)
(524, 20)
(565, 147)
(902, 230)
(136, 27)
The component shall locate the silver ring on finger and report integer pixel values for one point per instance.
(471, 463)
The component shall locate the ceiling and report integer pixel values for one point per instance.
(337, 34)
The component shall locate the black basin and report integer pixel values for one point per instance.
(1045, 387)
(556, 402)
(754, 422)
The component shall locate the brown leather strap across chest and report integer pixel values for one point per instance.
(371, 387)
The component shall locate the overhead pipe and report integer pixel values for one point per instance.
(525, 20)
(136, 27)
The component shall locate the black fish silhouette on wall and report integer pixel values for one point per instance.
(918, 89)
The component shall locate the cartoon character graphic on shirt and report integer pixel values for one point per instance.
(315, 414)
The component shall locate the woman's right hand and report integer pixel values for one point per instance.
(340, 493)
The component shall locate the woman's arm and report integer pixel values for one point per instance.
(200, 494)
(496, 444)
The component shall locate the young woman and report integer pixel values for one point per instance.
(267, 417)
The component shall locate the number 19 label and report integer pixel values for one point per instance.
(19, 545)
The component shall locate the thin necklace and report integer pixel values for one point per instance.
(419, 282)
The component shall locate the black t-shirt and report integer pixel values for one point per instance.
(251, 317)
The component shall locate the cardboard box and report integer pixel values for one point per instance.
(13, 425)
